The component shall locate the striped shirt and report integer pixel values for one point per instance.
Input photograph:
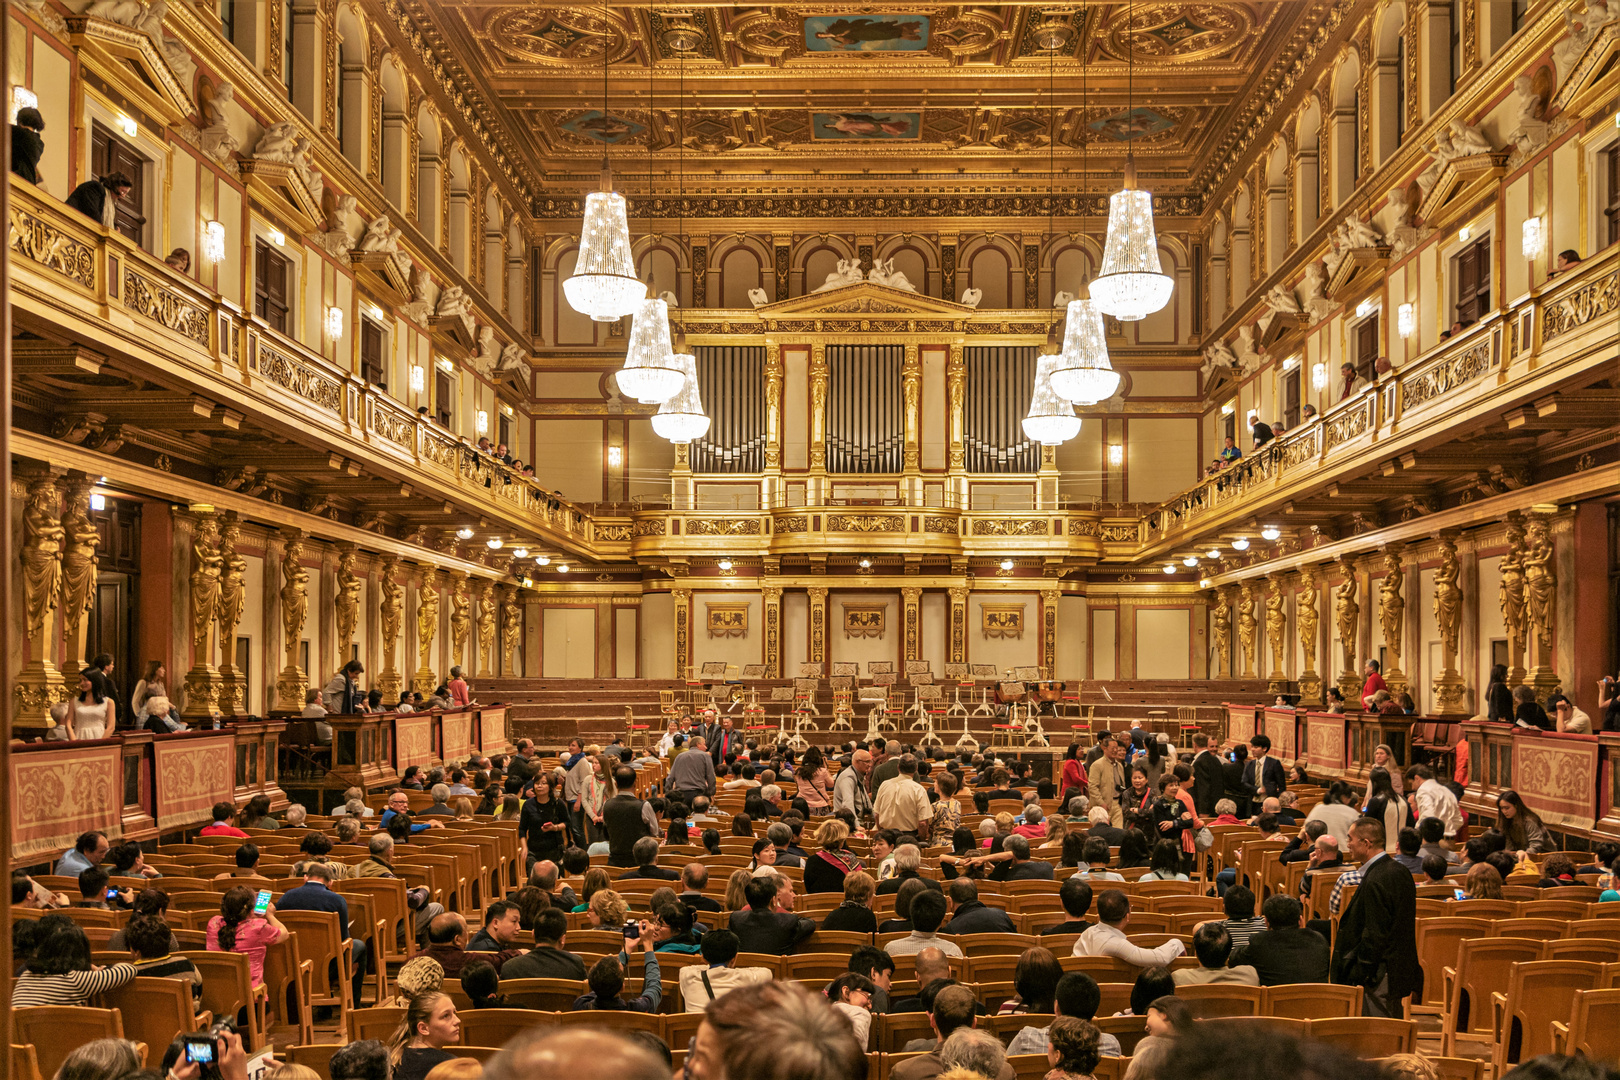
(1241, 930)
(74, 988)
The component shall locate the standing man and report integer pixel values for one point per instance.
(342, 694)
(725, 741)
(1263, 776)
(1374, 683)
(1209, 780)
(576, 774)
(1376, 944)
(691, 775)
(626, 819)
(1108, 781)
(850, 791)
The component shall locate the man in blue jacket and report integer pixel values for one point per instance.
(316, 894)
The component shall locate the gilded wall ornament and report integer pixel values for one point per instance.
(864, 620)
(1001, 620)
(726, 620)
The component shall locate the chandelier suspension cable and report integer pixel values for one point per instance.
(681, 419)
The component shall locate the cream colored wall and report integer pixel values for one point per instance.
(1104, 638)
(1428, 651)
(1160, 457)
(935, 621)
(1071, 637)
(1163, 643)
(934, 409)
(568, 642)
(795, 631)
(625, 642)
(657, 636)
(1004, 652)
(573, 457)
(795, 408)
(1490, 620)
(251, 627)
(648, 460)
(734, 651)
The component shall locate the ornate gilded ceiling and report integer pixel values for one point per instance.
(813, 95)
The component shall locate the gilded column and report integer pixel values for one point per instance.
(947, 266)
(460, 619)
(391, 608)
(683, 630)
(1448, 692)
(1347, 614)
(1511, 596)
(1392, 616)
(486, 629)
(956, 388)
(1246, 624)
(232, 601)
(1540, 602)
(1310, 683)
(1470, 40)
(818, 623)
(1049, 621)
(290, 684)
(40, 684)
(818, 406)
(346, 603)
(202, 681)
(79, 542)
(1276, 635)
(1220, 616)
(771, 596)
(773, 406)
(911, 387)
(511, 629)
(427, 628)
(912, 599)
(959, 598)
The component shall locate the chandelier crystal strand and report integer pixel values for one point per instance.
(650, 374)
(681, 419)
(1082, 373)
(1051, 418)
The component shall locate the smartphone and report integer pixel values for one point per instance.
(112, 894)
(262, 904)
(199, 1049)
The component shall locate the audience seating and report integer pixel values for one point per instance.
(25, 1062)
(1482, 965)
(157, 1011)
(1539, 994)
(1366, 1036)
(1594, 1026)
(1129, 1030)
(54, 1031)
(321, 941)
(227, 989)
(1310, 1001)
(1212, 1000)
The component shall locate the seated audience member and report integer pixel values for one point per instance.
(701, 984)
(1078, 997)
(316, 894)
(952, 1012)
(501, 932)
(768, 924)
(775, 1030)
(1022, 867)
(221, 826)
(606, 979)
(1073, 1048)
(855, 913)
(60, 972)
(1094, 857)
(901, 923)
(1035, 980)
(1213, 946)
(482, 984)
(1168, 1020)
(907, 862)
(645, 852)
(548, 959)
(149, 938)
(237, 929)
(878, 966)
(1407, 845)
(694, 879)
(247, 864)
(447, 943)
(1286, 952)
(851, 997)
(1151, 984)
(95, 893)
(933, 970)
(969, 915)
(927, 914)
(1076, 897)
(1241, 921)
(1108, 938)
(429, 1025)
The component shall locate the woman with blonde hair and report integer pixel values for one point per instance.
(420, 975)
(463, 808)
(429, 1025)
(457, 1068)
(736, 884)
(855, 913)
(292, 1071)
(607, 910)
(1483, 882)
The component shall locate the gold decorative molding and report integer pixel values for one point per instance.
(726, 620)
(1001, 620)
(864, 620)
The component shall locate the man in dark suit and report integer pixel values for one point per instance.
(723, 742)
(645, 852)
(769, 925)
(1263, 776)
(694, 879)
(970, 916)
(316, 894)
(548, 959)
(1209, 779)
(1285, 952)
(1024, 868)
(1376, 944)
(1232, 775)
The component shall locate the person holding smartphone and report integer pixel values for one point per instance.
(246, 924)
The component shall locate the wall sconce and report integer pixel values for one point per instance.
(1241, 544)
(562, 568)
(334, 322)
(1291, 363)
(542, 560)
(1406, 320)
(1170, 568)
(1249, 416)
(446, 366)
(1191, 560)
(725, 564)
(1228, 409)
(615, 456)
(494, 543)
(127, 125)
(1465, 234)
(376, 313)
(22, 98)
(1006, 564)
(528, 583)
(481, 422)
(214, 241)
(276, 237)
(520, 553)
(98, 501)
(1530, 242)
(1116, 454)
(1364, 309)
(418, 378)
(1318, 376)
(464, 533)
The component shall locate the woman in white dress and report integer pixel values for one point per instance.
(87, 713)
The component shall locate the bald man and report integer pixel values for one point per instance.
(551, 1051)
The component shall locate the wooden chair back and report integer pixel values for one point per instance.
(1438, 940)
(1129, 1030)
(55, 1031)
(24, 1062)
(1483, 964)
(1538, 993)
(1600, 950)
(894, 1030)
(157, 1011)
(1594, 1026)
(380, 1022)
(1311, 1001)
(1211, 1000)
(322, 941)
(317, 1056)
(228, 988)
(289, 984)
(1367, 1036)
(620, 1021)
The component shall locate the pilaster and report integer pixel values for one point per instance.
(290, 684)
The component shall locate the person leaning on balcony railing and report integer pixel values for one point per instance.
(1567, 259)
(1353, 383)
(98, 199)
(1260, 430)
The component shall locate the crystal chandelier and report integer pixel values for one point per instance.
(681, 418)
(1051, 419)
(1130, 285)
(1082, 373)
(649, 374)
(604, 284)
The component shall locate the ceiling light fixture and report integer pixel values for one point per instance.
(1212, 553)
(604, 283)
(725, 564)
(214, 241)
(494, 543)
(1131, 284)
(520, 553)
(866, 564)
(418, 378)
(1170, 568)
(648, 374)
(1406, 320)
(562, 568)
(1241, 544)
(1051, 418)
(1270, 532)
(1530, 239)
(542, 560)
(464, 533)
(1191, 560)
(681, 419)
(1006, 564)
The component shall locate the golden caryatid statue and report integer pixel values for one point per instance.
(41, 556)
(347, 603)
(1392, 616)
(1246, 624)
(205, 589)
(427, 628)
(1347, 613)
(232, 601)
(391, 607)
(81, 538)
(294, 612)
(486, 629)
(1447, 689)
(1540, 601)
(1276, 629)
(460, 618)
(1511, 596)
(511, 630)
(1221, 628)
(1310, 683)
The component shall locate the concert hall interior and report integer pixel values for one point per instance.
(451, 441)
